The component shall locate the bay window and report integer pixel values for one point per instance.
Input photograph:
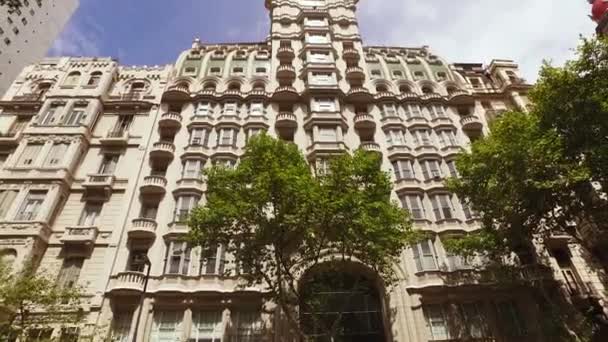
(403, 169)
(199, 136)
(422, 137)
(193, 168)
(413, 203)
(325, 104)
(56, 155)
(425, 256)
(389, 109)
(31, 206)
(185, 204)
(328, 134)
(207, 326)
(395, 137)
(430, 169)
(167, 326)
(442, 206)
(203, 109)
(178, 258)
(213, 261)
(227, 137)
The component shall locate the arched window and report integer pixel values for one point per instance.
(72, 79)
(427, 90)
(259, 87)
(451, 90)
(403, 89)
(234, 86)
(7, 257)
(94, 78)
(209, 86)
(137, 87)
(349, 300)
(381, 88)
(42, 88)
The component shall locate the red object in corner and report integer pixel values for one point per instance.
(599, 8)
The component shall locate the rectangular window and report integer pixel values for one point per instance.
(108, 164)
(389, 109)
(213, 261)
(452, 168)
(49, 117)
(256, 108)
(412, 110)
(167, 326)
(185, 204)
(122, 125)
(193, 169)
(436, 111)
(230, 108)
(317, 22)
(322, 78)
(248, 326)
(137, 260)
(473, 319)
(199, 137)
(430, 169)
(203, 109)
(70, 271)
(253, 132)
(447, 138)
(56, 155)
(29, 155)
(436, 322)
(403, 169)
(425, 256)
(321, 166)
(31, 206)
(317, 38)
(325, 104)
(7, 197)
(413, 203)
(227, 137)
(328, 134)
(319, 57)
(76, 116)
(421, 137)
(207, 327)
(442, 206)
(178, 258)
(395, 137)
(121, 326)
(90, 213)
(510, 318)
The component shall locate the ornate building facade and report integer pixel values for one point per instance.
(101, 164)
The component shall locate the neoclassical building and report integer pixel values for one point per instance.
(101, 165)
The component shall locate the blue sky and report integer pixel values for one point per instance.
(150, 32)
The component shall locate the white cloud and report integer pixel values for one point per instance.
(526, 31)
(78, 39)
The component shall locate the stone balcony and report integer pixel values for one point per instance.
(162, 150)
(286, 53)
(364, 121)
(471, 123)
(143, 228)
(359, 95)
(171, 121)
(115, 138)
(286, 72)
(127, 282)
(285, 93)
(370, 146)
(355, 73)
(80, 235)
(153, 185)
(350, 54)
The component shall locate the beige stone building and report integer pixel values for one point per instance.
(28, 28)
(102, 166)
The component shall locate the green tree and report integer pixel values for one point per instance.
(279, 220)
(31, 300)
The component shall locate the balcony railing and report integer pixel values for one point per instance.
(80, 234)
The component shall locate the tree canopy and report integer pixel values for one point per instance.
(278, 219)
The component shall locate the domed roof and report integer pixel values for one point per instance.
(599, 8)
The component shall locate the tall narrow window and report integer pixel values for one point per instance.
(389, 109)
(510, 318)
(413, 203)
(395, 137)
(325, 104)
(178, 258)
(167, 326)
(203, 109)
(56, 155)
(199, 137)
(256, 108)
(452, 168)
(185, 204)
(7, 197)
(435, 320)
(207, 327)
(29, 155)
(51, 115)
(230, 108)
(447, 138)
(473, 319)
(76, 116)
(122, 125)
(137, 260)
(108, 164)
(227, 137)
(424, 256)
(248, 325)
(430, 169)
(90, 214)
(442, 206)
(70, 271)
(251, 132)
(213, 260)
(121, 326)
(69, 334)
(193, 168)
(421, 137)
(403, 169)
(412, 111)
(31, 206)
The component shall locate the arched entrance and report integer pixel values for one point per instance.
(341, 306)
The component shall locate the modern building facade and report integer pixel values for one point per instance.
(28, 28)
(102, 166)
